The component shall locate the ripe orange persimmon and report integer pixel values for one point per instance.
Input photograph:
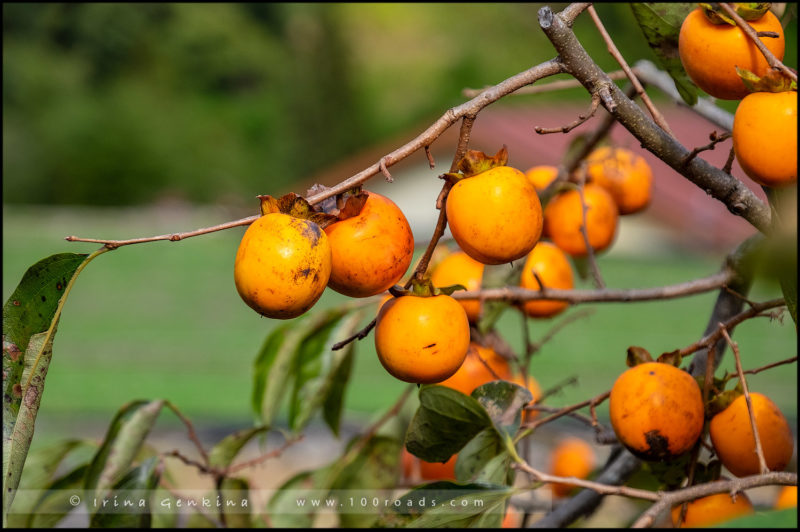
(473, 372)
(370, 251)
(732, 436)
(711, 52)
(282, 265)
(572, 457)
(495, 216)
(460, 268)
(554, 270)
(422, 339)
(626, 175)
(787, 498)
(711, 510)
(542, 176)
(563, 219)
(656, 411)
(765, 137)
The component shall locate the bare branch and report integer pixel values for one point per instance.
(672, 498)
(190, 430)
(715, 139)
(546, 87)
(606, 295)
(595, 269)
(734, 194)
(569, 127)
(762, 463)
(612, 49)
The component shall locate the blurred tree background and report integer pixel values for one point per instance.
(126, 104)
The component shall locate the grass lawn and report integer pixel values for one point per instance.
(163, 320)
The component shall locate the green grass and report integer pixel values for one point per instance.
(163, 320)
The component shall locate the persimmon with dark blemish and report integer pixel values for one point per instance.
(656, 411)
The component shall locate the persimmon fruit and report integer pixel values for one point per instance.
(473, 373)
(711, 52)
(460, 268)
(563, 219)
(656, 411)
(428, 470)
(495, 216)
(541, 176)
(732, 436)
(422, 339)
(282, 265)
(624, 174)
(370, 251)
(572, 457)
(554, 270)
(765, 137)
(787, 498)
(713, 509)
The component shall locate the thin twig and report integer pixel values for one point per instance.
(382, 165)
(772, 61)
(764, 368)
(190, 430)
(607, 295)
(595, 269)
(605, 489)
(547, 87)
(530, 427)
(658, 118)
(429, 155)
(669, 499)
(729, 162)
(569, 381)
(193, 463)
(234, 468)
(712, 337)
(569, 127)
(762, 462)
(360, 335)
(715, 139)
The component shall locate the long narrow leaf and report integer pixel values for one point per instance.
(122, 443)
(32, 311)
(136, 487)
(223, 453)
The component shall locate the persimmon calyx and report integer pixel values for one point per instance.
(638, 355)
(749, 11)
(673, 358)
(772, 81)
(296, 207)
(344, 205)
(424, 288)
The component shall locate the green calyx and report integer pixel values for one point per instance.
(424, 288)
(749, 11)
(772, 81)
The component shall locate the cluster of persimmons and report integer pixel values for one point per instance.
(360, 244)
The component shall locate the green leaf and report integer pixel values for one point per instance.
(236, 502)
(332, 407)
(122, 443)
(40, 466)
(283, 508)
(136, 488)
(760, 520)
(444, 422)
(53, 505)
(317, 370)
(661, 25)
(164, 517)
(224, 452)
(473, 505)
(30, 313)
(276, 360)
(476, 454)
(375, 467)
(503, 402)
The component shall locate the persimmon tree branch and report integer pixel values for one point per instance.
(669, 499)
(734, 194)
(607, 295)
(612, 49)
(772, 61)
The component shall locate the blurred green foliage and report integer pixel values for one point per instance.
(111, 104)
